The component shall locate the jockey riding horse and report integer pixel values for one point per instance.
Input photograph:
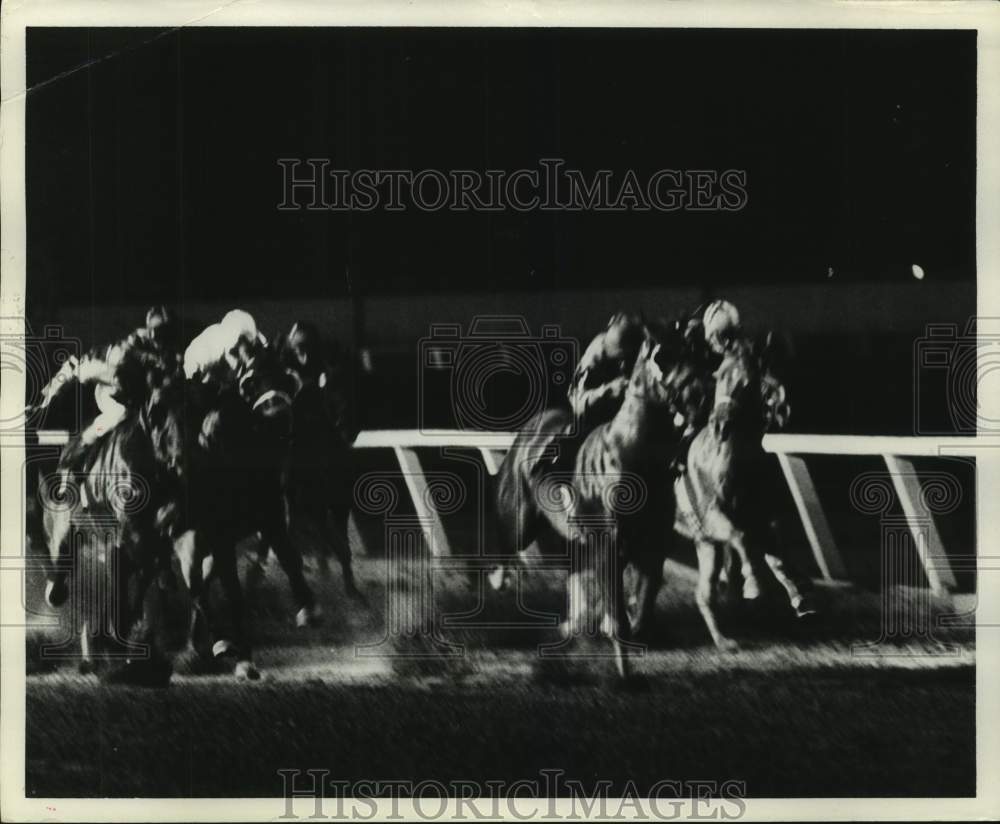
(106, 502)
(319, 478)
(727, 497)
(100, 367)
(232, 359)
(612, 504)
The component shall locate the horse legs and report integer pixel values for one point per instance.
(335, 533)
(58, 526)
(616, 625)
(800, 601)
(230, 580)
(648, 581)
(751, 585)
(705, 593)
(194, 563)
(275, 533)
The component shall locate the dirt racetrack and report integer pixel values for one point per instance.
(799, 710)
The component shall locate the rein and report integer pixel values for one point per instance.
(271, 394)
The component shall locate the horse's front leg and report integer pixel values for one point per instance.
(706, 595)
(616, 624)
(58, 523)
(801, 601)
(751, 584)
(338, 537)
(196, 566)
(240, 646)
(276, 534)
(648, 581)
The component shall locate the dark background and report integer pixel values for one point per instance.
(155, 166)
(152, 175)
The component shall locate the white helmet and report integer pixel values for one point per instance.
(206, 350)
(239, 324)
(721, 320)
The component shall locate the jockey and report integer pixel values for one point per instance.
(709, 334)
(306, 363)
(600, 379)
(716, 327)
(222, 352)
(101, 368)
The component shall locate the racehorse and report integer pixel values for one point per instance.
(267, 431)
(319, 478)
(723, 501)
(101, 512)
(318, 483)
(618, 486)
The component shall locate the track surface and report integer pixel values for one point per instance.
(796, 712)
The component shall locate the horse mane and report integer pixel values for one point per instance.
(143, 368)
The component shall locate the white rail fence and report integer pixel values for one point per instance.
(791, 451)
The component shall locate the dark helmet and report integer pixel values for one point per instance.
(160, 324)
(624, 333)
(302, 350)
(722, 324)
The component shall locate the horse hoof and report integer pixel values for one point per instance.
(221, 647)
(806, 607)
(56, 593)
(308, 616)
(751, 589)
(86, 667)
(498, 579)
(727, 645)
(246, 671)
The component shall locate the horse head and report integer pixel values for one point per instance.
(776, 409)
(667, 376)
(748, 396)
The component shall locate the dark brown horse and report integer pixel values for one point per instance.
(319, 475)
(616, 502)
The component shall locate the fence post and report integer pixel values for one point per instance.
(926, 538)
(416, 484)
(824, 548)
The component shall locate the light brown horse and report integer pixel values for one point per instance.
(723, 502)
(614, 506)
(100, 515)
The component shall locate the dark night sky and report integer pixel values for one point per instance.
(153, 174)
